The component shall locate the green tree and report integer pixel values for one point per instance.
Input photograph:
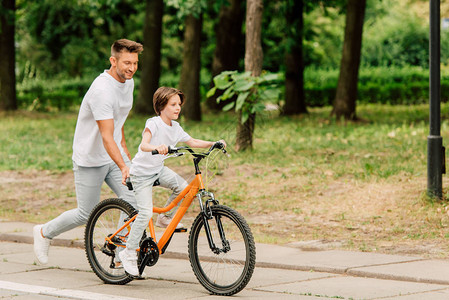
(253, 64)
(151, 56)
(398, 37)
(294, 62)
(189, 83)
(228, 46)
(346, 95)
(7, 56)
(191, 67)
(71, 38)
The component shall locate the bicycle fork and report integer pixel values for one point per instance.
(207, 215)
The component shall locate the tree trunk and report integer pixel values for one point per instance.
(151, 57)
(294, 63)
(190, 73)
(345, 99)
(8, 100)
(253, 64)
(228, 45)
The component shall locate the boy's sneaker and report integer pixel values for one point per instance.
(117, 260)
(163, 221)
(41, 245)
(129, 262)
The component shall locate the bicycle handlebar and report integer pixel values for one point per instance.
(172, 150)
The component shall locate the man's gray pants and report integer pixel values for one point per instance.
(88, 182)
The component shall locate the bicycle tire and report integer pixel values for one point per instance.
(226, 273)
(103, 221)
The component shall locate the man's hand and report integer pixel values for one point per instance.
(125, 174)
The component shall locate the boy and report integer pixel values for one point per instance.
(160, 132)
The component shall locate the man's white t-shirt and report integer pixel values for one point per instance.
(106, 99)
(144, 163)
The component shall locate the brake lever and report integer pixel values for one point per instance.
(175, 154)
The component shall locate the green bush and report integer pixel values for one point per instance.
(42, 95)
(408, 85)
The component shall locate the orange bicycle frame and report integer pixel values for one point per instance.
(188, 194)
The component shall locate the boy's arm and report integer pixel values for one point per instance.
(147, 147)
(195, 143)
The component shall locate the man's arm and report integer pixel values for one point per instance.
(107, 133)
(123, 143)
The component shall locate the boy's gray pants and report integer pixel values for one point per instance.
(143, 189)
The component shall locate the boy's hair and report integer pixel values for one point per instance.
(125, 45)
(162, 95)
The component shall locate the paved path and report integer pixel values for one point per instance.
(281, 273)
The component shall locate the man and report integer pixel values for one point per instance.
(99, 147)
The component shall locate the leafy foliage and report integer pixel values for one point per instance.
(401, 43)
(251, 91)
(61, 41)
(69, 37)
(188, 7)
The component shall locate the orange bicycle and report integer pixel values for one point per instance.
(221, 247)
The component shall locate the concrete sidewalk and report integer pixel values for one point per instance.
(330, 273)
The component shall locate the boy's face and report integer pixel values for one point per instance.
(172, 109)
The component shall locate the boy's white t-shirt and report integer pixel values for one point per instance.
(106, 99)
(144, 163)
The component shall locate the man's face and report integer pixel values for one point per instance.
(124, 65)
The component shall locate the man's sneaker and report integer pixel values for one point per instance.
(41, 245)
(163, 221)
(129, 262)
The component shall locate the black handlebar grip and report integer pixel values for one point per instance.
(170, 150)
(129, 184)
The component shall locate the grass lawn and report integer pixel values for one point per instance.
(309, 181)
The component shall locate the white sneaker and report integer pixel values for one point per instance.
(41, 245)
(163, 221)
(129, 262)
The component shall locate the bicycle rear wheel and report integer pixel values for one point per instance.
(102, 255)
(227, 269)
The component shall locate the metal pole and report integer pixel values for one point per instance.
(434, 140)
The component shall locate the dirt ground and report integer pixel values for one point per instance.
(388, 216)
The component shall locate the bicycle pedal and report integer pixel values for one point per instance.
(181, 229)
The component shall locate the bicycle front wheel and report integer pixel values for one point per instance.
(226, 268)
(102, 254)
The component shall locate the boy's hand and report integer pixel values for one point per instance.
(162, 149)
(223, 142)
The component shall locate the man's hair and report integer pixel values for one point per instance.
(125, 45)
(162, 95)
